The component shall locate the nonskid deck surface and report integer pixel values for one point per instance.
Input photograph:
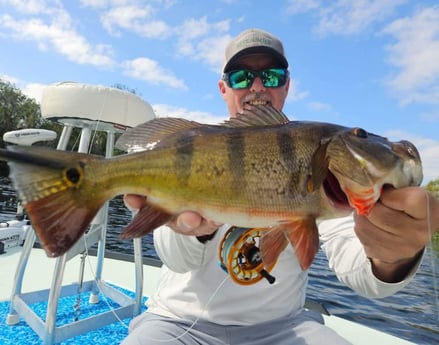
(121, 274)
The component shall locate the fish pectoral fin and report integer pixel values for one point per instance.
(318, 169)
(304, 237)
(273, 242)
(146, 220)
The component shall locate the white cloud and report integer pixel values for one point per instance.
(34, 90)
(320, 106)
(135, 18)
(150, 71)
(166, 110)
(351, 17)
(31, 90)
(294, 93)
(344, 17)
(428, 149)
(415, 55)
(9, 78)
(53, 29)
(301, 6)
(203, 41)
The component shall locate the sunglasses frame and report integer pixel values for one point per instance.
(260, 74)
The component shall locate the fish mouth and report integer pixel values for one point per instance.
(335, 193)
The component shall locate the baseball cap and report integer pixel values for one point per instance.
(253, 41)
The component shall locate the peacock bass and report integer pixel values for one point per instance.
(255, 170)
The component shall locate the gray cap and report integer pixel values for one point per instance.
(253, 41)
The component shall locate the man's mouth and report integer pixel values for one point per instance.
(258, 102)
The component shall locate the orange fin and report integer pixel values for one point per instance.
(304, 237)
(59, 222)
(273, 242)
(146, 220)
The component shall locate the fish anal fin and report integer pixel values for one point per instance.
(273, 242)
(304, 237)
(146, 220)
(58, 222)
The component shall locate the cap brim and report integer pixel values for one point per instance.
(256, 50)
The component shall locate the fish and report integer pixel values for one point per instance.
(258, 169)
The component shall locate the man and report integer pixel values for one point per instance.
(195, 303)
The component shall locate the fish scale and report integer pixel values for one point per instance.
(255, 170)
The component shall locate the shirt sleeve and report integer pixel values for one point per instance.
(182, 253)
(348, 260)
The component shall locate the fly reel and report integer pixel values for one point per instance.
(240, 256)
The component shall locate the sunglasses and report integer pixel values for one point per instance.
(243, 79)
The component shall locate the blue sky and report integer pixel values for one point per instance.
(373, 64)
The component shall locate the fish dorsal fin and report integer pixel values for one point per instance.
(260, 115)
(149, 134)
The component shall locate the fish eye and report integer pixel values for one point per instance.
(73, 175)
(360, 133)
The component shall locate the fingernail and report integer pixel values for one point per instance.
(183, 226)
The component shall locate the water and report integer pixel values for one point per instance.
(412, 314)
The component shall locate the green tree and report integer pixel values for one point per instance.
(433, 186)
(16, 109)
(19, 111)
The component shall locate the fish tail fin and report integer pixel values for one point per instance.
(146, 220)
(50, 184)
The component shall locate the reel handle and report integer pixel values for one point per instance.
(267, 276)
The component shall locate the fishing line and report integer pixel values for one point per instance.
(105, 299)
(214, 294)
(196, 319)
(97, 122)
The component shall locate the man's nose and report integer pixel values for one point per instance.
(257, 85)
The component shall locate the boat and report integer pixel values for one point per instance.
(13, 232)
(88, 296)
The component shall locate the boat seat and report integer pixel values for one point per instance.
(90, 108)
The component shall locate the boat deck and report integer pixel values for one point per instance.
(40, 268)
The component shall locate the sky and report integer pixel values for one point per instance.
(366, 63)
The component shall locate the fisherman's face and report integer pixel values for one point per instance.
(239, 99)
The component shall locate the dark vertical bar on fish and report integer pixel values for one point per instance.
(236, 155)
(183, 158)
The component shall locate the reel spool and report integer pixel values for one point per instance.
(240, 256)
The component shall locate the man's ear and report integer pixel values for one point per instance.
(222, 87)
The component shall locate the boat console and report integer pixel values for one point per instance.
(90, 108)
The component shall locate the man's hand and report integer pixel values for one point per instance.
(187, 223)
(397, 230)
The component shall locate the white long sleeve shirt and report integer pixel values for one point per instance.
(193, 285)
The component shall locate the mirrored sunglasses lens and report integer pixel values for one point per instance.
(241, 79)
(274, 77)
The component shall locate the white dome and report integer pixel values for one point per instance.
(94, 106)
